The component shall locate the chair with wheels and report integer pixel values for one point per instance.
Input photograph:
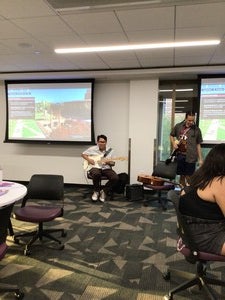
(162, 180)
(43, 203)
(5, 213)
(187, 248)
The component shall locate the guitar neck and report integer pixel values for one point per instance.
(99, 160)
(109, 159)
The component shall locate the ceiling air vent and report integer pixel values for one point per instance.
(84, 5)
(73, 5)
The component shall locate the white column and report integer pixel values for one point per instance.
(143, 120)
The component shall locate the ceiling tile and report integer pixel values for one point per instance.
(191, 61)
(105, 39)
(151, 36)
(9, 30)
(50, 25)
(30, 30)
(200, 15)
(16, 9)
(147, 19)
(199, 33)
(158, 62)
(93, 22)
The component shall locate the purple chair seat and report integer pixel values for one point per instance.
(3, 249)
(36, 214)
(165, 187)
(181, 247)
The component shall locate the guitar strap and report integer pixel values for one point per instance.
(184, 132)
(182, 147)
(107, 152)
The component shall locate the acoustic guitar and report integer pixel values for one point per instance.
(150, 180)
(99, 161)
(154, 180)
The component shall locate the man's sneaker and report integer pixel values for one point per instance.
(102, 196)
(95, 196)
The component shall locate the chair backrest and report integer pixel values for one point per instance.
(182, 228)
(164, 170)
(45, 187)
(5, 213)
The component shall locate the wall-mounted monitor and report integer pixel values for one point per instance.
(212, 109)
(50, 111)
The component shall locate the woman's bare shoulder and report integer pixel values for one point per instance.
(214, 190)
(218, 183)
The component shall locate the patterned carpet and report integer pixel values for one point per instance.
(116, 250)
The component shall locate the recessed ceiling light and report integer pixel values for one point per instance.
(138, 47)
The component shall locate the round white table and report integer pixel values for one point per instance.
(11, 192)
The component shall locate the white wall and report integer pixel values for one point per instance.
(143, 119)
(122, 110)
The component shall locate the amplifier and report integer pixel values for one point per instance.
(134, 192)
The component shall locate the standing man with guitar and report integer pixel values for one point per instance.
(186, 139)
(99, 163)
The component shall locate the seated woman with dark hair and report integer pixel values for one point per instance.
(203, 203)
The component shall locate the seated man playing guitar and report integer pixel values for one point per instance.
(98, 162)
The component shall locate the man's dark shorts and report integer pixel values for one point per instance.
(184, 168)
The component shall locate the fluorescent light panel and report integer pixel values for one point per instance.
(137, 47)
(166, 100)
(182, 101)
(177, 90)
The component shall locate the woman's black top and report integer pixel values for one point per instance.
(191, 204)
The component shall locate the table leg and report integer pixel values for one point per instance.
(10, 228)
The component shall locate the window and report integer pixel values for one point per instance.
(175, 99)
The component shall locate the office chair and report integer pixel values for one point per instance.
(102, 178)
(45, 193)
(5, 213)
(186, 247)
(164, 171)
(101, 183)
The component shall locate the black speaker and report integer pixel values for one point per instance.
(134, 192)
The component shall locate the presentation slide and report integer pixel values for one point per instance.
(48, 112)
(212, 110)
